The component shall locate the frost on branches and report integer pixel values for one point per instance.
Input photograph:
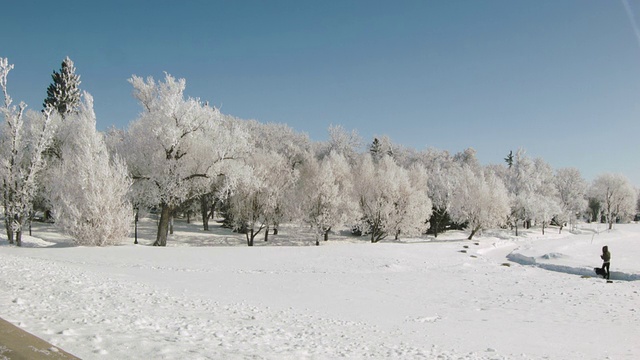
(480, 200)
(388, 200)
(63, 95)
(177, 147)
(616, 195)
(326, 194)
(24, 136)
(258, 197)
(571, 192)
(88, 189)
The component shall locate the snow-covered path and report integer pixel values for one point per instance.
(388, 300)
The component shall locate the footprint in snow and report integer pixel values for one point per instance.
(427, 319)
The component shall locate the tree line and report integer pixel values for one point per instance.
(182, 155)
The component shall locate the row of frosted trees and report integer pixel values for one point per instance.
(182, 154)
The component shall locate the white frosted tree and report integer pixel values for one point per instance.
(412, 205)
(520, 183)
(342, 142)
(480, 200)
(545, 203)
(373, 189)
(571, 192)
(292, 148)
(259, 193)
(176, 147)
(24, 137)
(282, 139)
(326, 194)
(441, 172)
(87, 188)
(616, 195)
(388, 201)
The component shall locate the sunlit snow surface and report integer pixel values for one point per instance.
(209, 296)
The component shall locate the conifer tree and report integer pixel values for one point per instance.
(64, 93)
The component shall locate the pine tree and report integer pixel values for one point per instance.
(379, 148)
(509, 159)
(64, 93)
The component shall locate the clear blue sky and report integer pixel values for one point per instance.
(560, 78)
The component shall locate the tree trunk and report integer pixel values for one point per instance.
(250, 236)
(266, 234)
(516, 222)
(204, 208)
(19, 238)
(135, 238)
(163, 226)
(275, 230)
(188, 217)
(473, 232)
(7, 225)
(171, 223)
(326, 234)
(437, 216)
(543, 227)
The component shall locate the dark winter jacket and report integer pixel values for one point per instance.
(606, 255)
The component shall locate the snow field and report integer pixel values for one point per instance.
(416, 299)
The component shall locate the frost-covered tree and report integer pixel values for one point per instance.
(326, 194)
(24, 136)
(442, 175)
(342, 142)
(215, 192)
(545, 200)
(520, 183)
(373, 189)
(254, 201)
(282, 139)
(388, 201)
(532, 190)
(480, 200)
(87, 188)
(293, 148)
(412, 206)
(63, 94)
(176, 147)
(616, 195)
(467, 157)
(571, 193)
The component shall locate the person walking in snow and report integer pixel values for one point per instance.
(606, 260)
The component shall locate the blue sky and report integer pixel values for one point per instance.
(559, 78)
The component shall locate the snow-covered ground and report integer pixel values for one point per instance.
(209, 296)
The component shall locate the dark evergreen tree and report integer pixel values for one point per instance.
(64, 93)
(379, 148)
(376, 149)
(509, 159)
(595, 208)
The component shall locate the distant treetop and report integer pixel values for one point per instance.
(64, 93)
